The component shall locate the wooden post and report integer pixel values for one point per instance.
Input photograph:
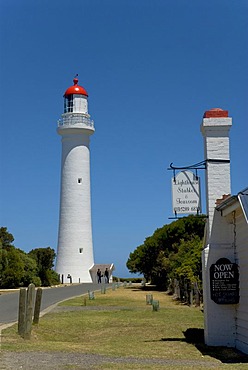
(22, 311)
(91, 295)
(155, 305)
(149, 299)
(37, 306)
(29, 311)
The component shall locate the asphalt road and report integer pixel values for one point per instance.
(9, 302)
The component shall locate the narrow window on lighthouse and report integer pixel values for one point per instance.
(80, 250)
(68, 104)
(80, 180)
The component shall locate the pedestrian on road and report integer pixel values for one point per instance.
(106, 274)
(99, 276)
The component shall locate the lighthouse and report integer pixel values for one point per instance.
(75, 248)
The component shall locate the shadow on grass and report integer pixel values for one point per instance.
(223, 354)
(149, 288)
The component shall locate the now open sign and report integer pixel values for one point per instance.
(224, 282)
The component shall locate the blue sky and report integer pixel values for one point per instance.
(151, 68)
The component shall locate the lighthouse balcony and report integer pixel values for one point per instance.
(76, 120)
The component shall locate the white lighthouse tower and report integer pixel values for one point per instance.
(75, 248)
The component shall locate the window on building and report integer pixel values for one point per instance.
(80, 250)
(68, 104)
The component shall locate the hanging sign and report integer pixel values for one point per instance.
(224, 282)
(186, 193)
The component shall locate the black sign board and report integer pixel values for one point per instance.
(224, 282)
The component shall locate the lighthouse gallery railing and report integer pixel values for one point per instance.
(75, 119)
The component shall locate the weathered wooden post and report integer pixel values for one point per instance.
(149, 299)
(37, 306)
(155, 305)
(22, 311)
(29, 311)
(91, 295)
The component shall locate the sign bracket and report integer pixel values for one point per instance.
(198, 166)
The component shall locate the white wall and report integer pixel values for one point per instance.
(80, 104)
(219, 320)
(227, 325)
(242, 308)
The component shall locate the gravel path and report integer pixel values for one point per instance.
(62, 360)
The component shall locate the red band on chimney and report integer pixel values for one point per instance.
(216, 113)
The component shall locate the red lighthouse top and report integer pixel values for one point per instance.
(75, 89)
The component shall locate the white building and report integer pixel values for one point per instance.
(226, 237)
(75, 248)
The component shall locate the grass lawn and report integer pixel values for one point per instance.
(121, 324)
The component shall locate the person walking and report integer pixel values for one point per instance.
(99, 276)
(106, 274)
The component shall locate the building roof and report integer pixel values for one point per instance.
(75, 89)
(241, 198)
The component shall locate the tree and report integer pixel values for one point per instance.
(30, 271)
(154, 259)
(13, 270)
(44, 258)
(185, 265)
(6, 239)
(18, 268)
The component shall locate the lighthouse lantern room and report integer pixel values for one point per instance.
(75, 247)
